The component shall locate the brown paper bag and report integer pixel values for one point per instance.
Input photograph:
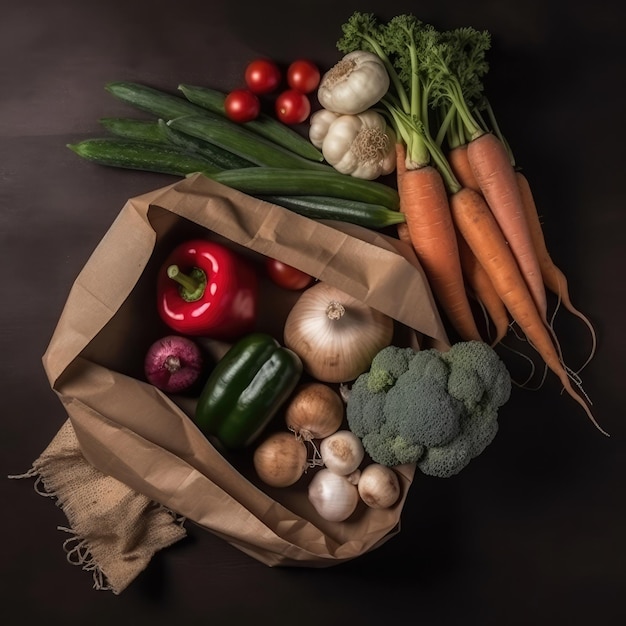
(134, 433)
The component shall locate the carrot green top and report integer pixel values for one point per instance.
(436, 81)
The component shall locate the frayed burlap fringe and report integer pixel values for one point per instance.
(114, 531)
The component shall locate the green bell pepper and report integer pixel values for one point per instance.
(246, 388)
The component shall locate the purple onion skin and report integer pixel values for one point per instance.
(173, 363)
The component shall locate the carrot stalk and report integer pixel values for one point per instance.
(495, 176)
(424, 202)
(478, 226)
(553, 277)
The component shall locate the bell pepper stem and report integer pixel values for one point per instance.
(192, 285)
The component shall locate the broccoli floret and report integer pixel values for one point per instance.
(390, 449)
(410, 402)
(369, 405)
(477, 375)
(390, 363)
(476, 433)
(436, 409)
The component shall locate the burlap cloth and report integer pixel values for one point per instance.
(114, 531)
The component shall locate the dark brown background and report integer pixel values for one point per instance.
(530, 533)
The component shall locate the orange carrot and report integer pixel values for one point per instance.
(424, 201)
(495, 175)
(553, 278)
(460, 165)
(484, 290)
(478, 226)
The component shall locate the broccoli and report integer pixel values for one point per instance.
(437, 409)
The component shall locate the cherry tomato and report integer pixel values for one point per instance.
(242, 105)
(303, 75)
(286, 276)
(262, 76)
(292, 107)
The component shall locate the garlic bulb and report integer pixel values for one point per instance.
(355, 83)
(360, 145)
(335, 335)
(320, 122)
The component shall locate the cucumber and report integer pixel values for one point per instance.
(199, 122)
(288, 182)
(159, 132)
(221, 158)
(255, 181)
(246, 144)
(137, 155)
(365, 214)
(159, 103)
(265, 125)
(140, 130)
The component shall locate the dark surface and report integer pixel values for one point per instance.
(530, 533)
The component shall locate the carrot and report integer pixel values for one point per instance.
(553, 278)
(460, 165)
(484, 290)
(495, 176)
(478, 226)
(424, 201)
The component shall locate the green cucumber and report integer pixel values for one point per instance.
(246, 144)
(265, 125)
(154, 101)
(365, 214)
(255, 181)
(159, 132)
(288, 182)
(221, 158)
(139, 130)
(137, 155)
(199, 122)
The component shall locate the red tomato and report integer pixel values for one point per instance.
(303, 75)
(286, 276)
(242, 105)
(292, 107)
(262, 76)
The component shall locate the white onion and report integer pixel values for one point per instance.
(333, 496)
(314, 411)
(379, 486)
(281, 459)
(342, 452)
(335, 335)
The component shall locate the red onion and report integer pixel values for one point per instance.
(173, 363)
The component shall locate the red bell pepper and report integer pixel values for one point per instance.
(207, 289)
